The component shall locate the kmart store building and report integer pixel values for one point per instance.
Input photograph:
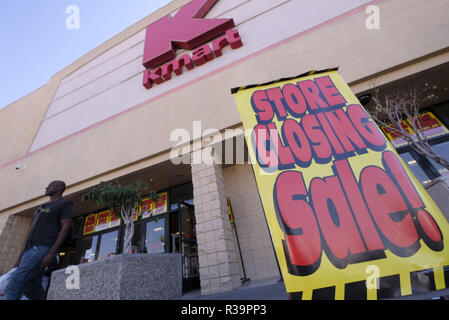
(123, 111)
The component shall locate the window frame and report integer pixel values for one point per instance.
(429, 169)
(121, 227)
(97, 248)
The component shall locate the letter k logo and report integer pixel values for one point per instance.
(186, 30)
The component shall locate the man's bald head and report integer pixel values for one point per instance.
(56, 187)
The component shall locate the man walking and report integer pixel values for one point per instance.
(51, 225)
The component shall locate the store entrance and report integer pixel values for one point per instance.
(183, 240)
(167, 226)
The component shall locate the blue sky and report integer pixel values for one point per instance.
(36, 44)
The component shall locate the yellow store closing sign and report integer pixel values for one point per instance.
(347, 218)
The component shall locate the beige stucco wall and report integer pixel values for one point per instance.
(257, 250)
(20, 121)
(409, 33)
(111, 83)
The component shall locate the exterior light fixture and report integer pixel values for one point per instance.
(20, 166)
(365, 99)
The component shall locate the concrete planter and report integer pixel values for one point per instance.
(123, 277)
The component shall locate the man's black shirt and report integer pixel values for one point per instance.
(47, 223)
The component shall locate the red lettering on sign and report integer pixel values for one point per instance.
(285, 155)
(89, 225)
(147, 83)
(295, 102)
(186, 30)
(356, 221)
(336, 146)
(350, 219)
(333, 133)
(199, 57)
(389, 212)
(345, 131)
(296, 218)
(218, 45)
(177, 66)
(266, 156)
(427, 122)
(330, 92)
(358, 205)
(159, 206)
(154, 76)
(103, 218)
(234, 39)
(202, 55)
(366, 127)
(335, 220)
(276, 97)
(320, 144)
(296, 139)
(312, 94)
(262, 107)
(426, 225)
(429, 230)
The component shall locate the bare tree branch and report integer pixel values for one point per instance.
(391, 110)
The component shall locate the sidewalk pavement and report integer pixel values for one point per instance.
(270, 289)
(274, 289)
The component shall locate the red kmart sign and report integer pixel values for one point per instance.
(186, 30)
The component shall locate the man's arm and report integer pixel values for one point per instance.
(66, 224)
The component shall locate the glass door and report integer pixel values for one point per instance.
(188, 246)
(155, 236)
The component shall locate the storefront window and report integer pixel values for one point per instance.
(87, 249)
(415, 168)
(108, 244)
(155, 236)
(434, 123)
(102, 236)
(181, 193)
(443, 150)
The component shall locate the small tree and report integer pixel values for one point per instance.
(124, 200)
(392, 110)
